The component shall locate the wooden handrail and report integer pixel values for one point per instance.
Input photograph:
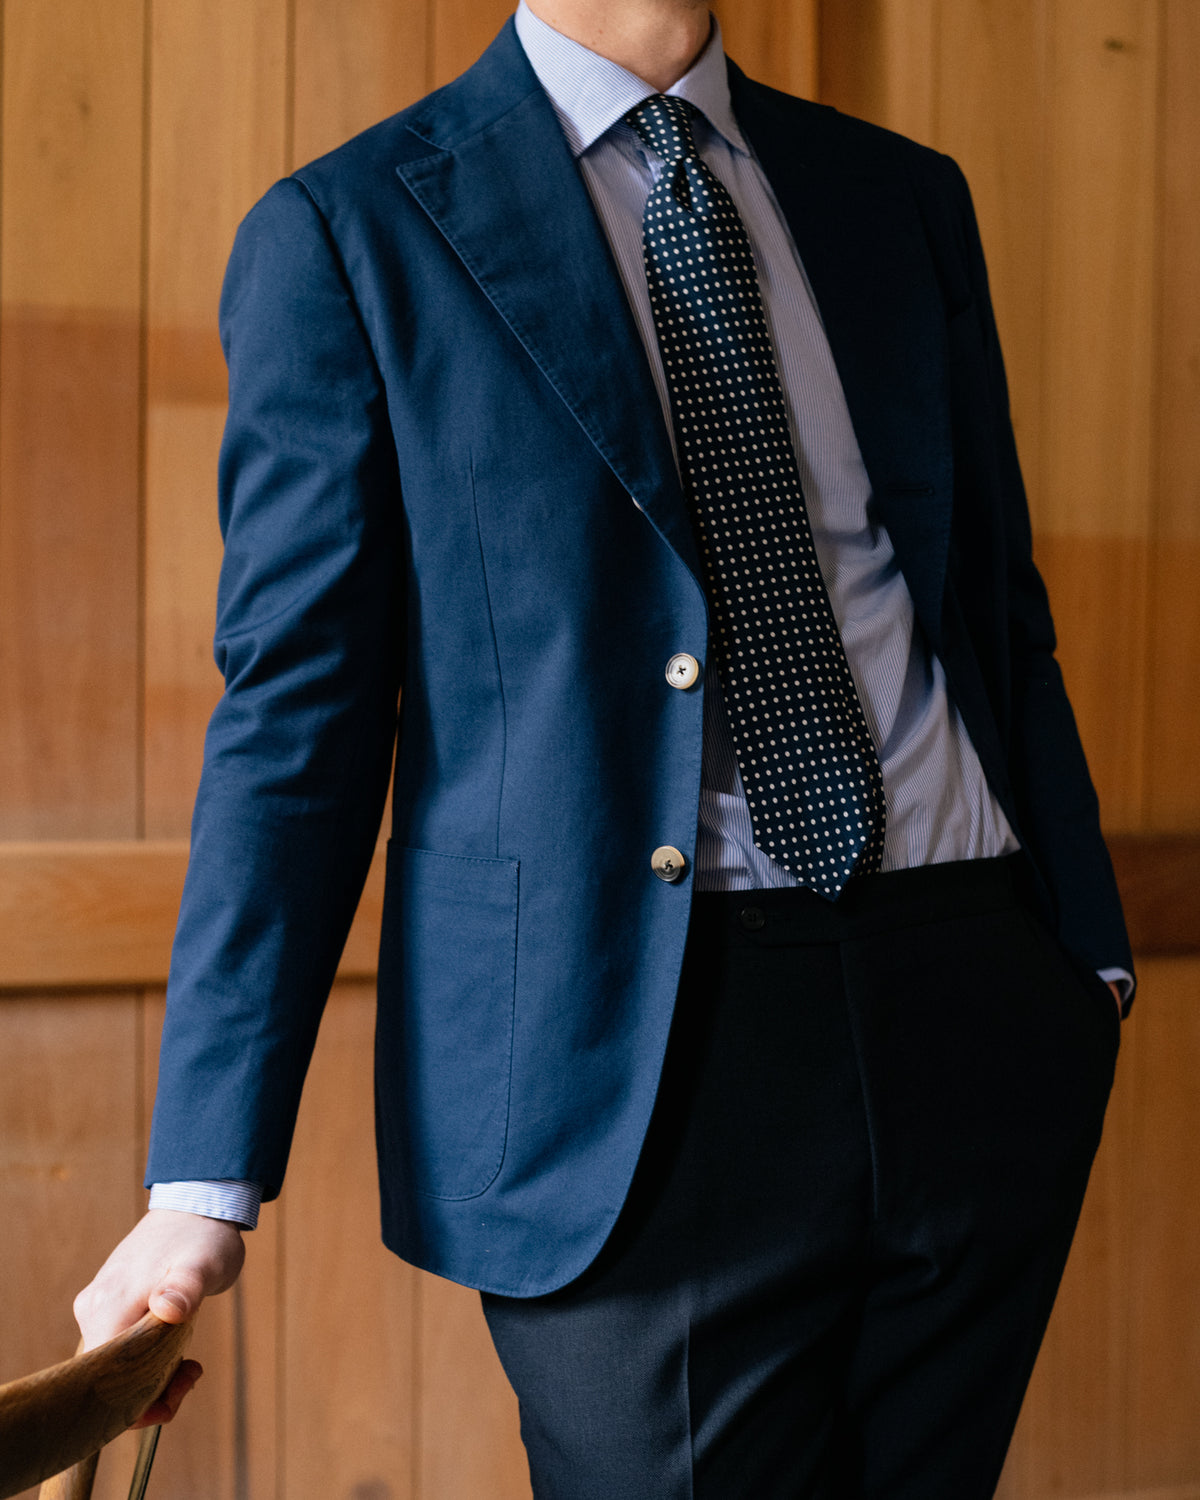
(64, 1414)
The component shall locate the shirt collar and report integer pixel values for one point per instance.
(590, 94)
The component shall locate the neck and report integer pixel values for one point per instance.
(658, 40)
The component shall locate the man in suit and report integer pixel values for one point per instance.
(649, 428)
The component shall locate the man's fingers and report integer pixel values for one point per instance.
(165, 1408)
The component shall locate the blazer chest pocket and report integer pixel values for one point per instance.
(444, 1034)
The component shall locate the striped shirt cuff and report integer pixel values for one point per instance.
(239, 1202)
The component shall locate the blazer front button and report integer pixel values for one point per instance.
(667, 863)
(683, 670)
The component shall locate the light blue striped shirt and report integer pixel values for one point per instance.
(939, 806)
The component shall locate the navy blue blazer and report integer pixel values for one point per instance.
(446, 467)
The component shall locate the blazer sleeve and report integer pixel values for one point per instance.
(298, 751)
(1051, 781)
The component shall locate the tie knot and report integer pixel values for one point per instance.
(665, 125)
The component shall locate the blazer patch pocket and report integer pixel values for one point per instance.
(443, 1045)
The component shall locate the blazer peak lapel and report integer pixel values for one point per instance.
(500, 183)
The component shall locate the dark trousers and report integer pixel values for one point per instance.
(853, 1207)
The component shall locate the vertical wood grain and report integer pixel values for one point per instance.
(461, 31)
(357, 61)
(878, 60)
(776, 44)
(1099, 301)
(469, 1432)
(347, 1310)
(183, 549)
(1163, 1294)
(991, 117)
(68, 1144)
(1094, 480)
(218, 141)
(1072, 1435)
(1172, 787)
(223, 1444)
(1110, 1410)
(72, 155)
(70, 270)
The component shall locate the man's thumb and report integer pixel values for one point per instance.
(171, 1304)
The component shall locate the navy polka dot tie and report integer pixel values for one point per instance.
(808, 763)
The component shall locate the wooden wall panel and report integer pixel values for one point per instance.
(69, 1139)
(878, 59)
(135, 136)
(1172, 787)
(461, 31)
(357, 61)
(1162, 1299)
(991, 116)
(463, 1455)
(1111, 1409)
(69, 419)
(72, 155)
(347, 1400)
(777, 44)
(1071, 1439)
(1093, 489)
(218, 140)
(223, 1444)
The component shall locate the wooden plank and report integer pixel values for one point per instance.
(223, 1445)
(1100, 269)
(1110, 1410)
(1173, 727)
(68, 574)
(469, 1428)
(347, 1304)
(68, 1147)
(462, 29)
(776, 44)
(104, 914)
(218, 142)
(1102, 650)
(1071, 1437)
(219, 139)
(357, 61)
(1095, 476)
(1162, 1299)
(69, 381)
(183, 553)
(72, 150)
(878, 60)
(991, 117)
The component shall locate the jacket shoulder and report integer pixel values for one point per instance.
(381, 147)
(841, 142)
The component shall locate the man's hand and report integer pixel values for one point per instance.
(1116, 989)
(167, 1264)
